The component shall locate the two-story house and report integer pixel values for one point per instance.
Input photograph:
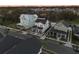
(27, 20)
(61, 31)
(41, 25)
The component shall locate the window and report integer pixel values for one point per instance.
(63, 36)
(59, 35)
(33, 29)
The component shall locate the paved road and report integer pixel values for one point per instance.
(59, 49)
(12, 45)
(52, 45)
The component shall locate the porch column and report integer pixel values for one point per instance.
(69, 35)
(57, 36)
(69, 38)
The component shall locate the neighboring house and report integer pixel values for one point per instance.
(61, 31)
(27, 20)
(41, 25)
(76, 30)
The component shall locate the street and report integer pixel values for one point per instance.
(58, 48)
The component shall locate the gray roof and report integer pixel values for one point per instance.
(37, 27)
(62, 26)
(42, 20)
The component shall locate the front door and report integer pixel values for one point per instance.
(55, 34)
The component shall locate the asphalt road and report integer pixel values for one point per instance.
(58, 48)
(51, 45)
(17, 43)
(28, 46)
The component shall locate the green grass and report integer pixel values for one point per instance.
(8, 24)
(75, 21)
(13, 25)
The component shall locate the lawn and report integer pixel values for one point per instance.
(75, 21)
(8, 24)
(13, 25)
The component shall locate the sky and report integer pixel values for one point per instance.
(38, 2)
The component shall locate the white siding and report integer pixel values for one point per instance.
(28, 20)
(39, 24)
(46, 26)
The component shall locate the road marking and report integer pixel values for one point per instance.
(44, 52)
(56, 40)
(49, 50)
(63, 41)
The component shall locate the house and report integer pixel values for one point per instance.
(61, 31)
(27, 20)
(41, 25)
(76, 30)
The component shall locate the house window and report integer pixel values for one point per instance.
(51, 34)
(33, 30)
(55, 34)
(41, 25)
(63, 36)
(40, 31)
(59, 35)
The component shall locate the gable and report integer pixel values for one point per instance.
(61, 26)
(41, 20)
